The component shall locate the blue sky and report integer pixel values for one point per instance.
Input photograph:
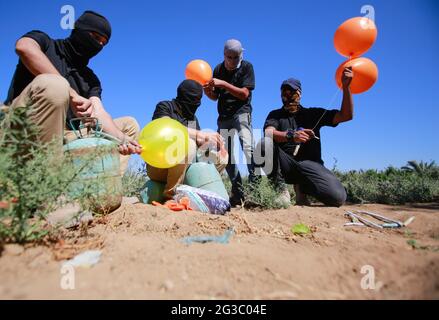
(152, 42)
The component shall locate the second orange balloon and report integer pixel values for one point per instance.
(365, 74)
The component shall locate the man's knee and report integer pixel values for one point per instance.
(53, 88)
(130, 126)
(337, 195)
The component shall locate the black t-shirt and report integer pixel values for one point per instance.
(173, 110)
(306, 118)
(81, 79)
(243, 77)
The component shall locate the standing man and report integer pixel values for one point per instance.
(53, 81)
(292, 141)
(232, 85)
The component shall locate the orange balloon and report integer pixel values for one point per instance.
(365, 74)
(355, 36)
(200, 71)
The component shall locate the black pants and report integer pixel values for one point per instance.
(312, 177)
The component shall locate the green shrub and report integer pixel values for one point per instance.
(35, 179)
(392, 185)
(133, 181)
(261, 195)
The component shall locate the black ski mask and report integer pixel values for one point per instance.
(81, 46)
(189, 94)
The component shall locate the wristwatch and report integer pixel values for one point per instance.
(290, 135)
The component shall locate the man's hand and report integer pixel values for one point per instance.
(216, 83)
(210, 137)
(81, 106)
(130, 147)
(303, 136)
(347, 76)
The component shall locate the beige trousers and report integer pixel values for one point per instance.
(48, 98)
(175, 175)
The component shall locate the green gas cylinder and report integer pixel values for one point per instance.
(97, 160)
(205, 176)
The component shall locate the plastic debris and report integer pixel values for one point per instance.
(203, 200)
(358, 220)
(224, 239)
(86, 259)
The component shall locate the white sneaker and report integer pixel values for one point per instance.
(284, 198)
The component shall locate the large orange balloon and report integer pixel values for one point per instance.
(365, 74)
(200, 71)
(355, 36)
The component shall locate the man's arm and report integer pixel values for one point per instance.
(240, 93)
(33, 58)
(37, 63)
(346, 112)
(208, 90)
(300, 136)
(128, 146)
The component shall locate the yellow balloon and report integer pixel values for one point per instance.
(165, 143)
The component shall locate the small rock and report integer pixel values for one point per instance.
(13, 249)
(86, 259)
(168, 285)
(69, 216)
(130, 200)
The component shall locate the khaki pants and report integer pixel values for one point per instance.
(175, 175)
(47, 96)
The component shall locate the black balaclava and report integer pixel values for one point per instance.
(81, 46)
(189, 94)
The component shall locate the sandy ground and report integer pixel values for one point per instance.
(142, 257)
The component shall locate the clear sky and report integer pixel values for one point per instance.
(152, 42)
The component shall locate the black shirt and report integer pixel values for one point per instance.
(81, 79)
(306, 118)
(173, 110)
(243, 77)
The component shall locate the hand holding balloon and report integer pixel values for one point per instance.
(346, 78)
(130, 147)
(216, 83)
(366, 74)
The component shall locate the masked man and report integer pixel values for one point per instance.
(232, 85)
(292, 141)
(52, 80)
(182, 109)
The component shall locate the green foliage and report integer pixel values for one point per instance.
(35, 179)
(133, 181)
(261, 195)
(412, 183)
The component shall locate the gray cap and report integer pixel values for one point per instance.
(233, 45)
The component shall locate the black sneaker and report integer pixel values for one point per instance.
(236, 202)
